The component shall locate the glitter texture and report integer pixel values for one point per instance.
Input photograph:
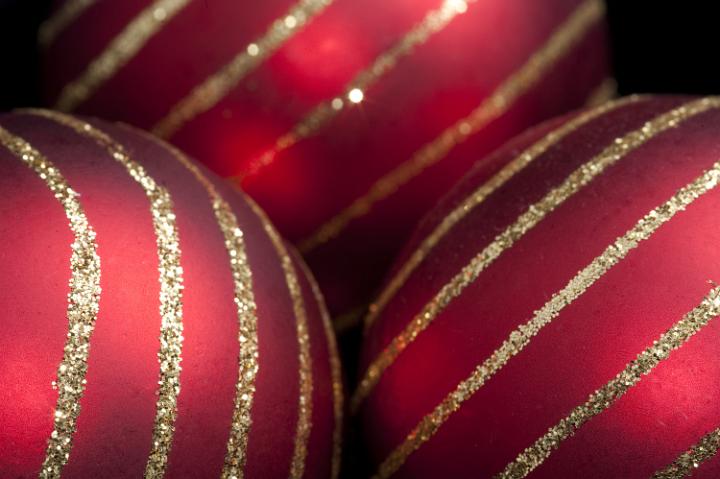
(577, 180)
(68, 12)
(304, 424)
(645, 362)
(248, 359)
(558, 45)
(478, 196)
(119, 52)
(171, 286)
(521, 337)
(434, 22)
(211, 91)
(335, 371)
(83, 304)
(686, 464)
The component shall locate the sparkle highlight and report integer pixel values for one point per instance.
(434, 22)
(217, 86)
(82, 309)
(500, 101)
(171, 286)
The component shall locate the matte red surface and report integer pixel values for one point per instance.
(591, 340)
(115, 425)
(307, 185)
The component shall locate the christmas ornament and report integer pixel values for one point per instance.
(345, 120)
(562, 306)
(188, 342)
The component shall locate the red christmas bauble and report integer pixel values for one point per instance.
(153, 320)
(345, 120)
(561, 305)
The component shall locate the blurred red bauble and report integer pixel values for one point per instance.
(153, 320)
(345, 120)
(561, 304)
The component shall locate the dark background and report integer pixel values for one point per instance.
(658, 47)
(19, 20)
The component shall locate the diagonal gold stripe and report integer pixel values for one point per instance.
(433, 22)
(606, 91)
(214, 88)
(607, 395)
(493, 107)
(690, 460)
(60, 20)
(83, 304)
(478, 196)
(304, 424)
(349, 319)
(574, 183)
(335, 371)
(171, 286)
(119, 52)
(504, 96)
(576, 287)
(248, 358)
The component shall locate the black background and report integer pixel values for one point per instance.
(658, 47)
(19, 74)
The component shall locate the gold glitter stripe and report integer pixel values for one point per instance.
(645, 362)
(350, 319)
(171, 286)
(119, 52)
(248, 359)
(335, 371)
(478, 196)
(576, 287)
(577, 180)
(434, 22)
(214, 88)
(304, 424)
(517, 84)
(60, 20)
(604, 92)
(690, 460)
(83, 304)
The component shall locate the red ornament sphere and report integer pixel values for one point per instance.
(153, 320)
(344, 120)
(562, 305)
